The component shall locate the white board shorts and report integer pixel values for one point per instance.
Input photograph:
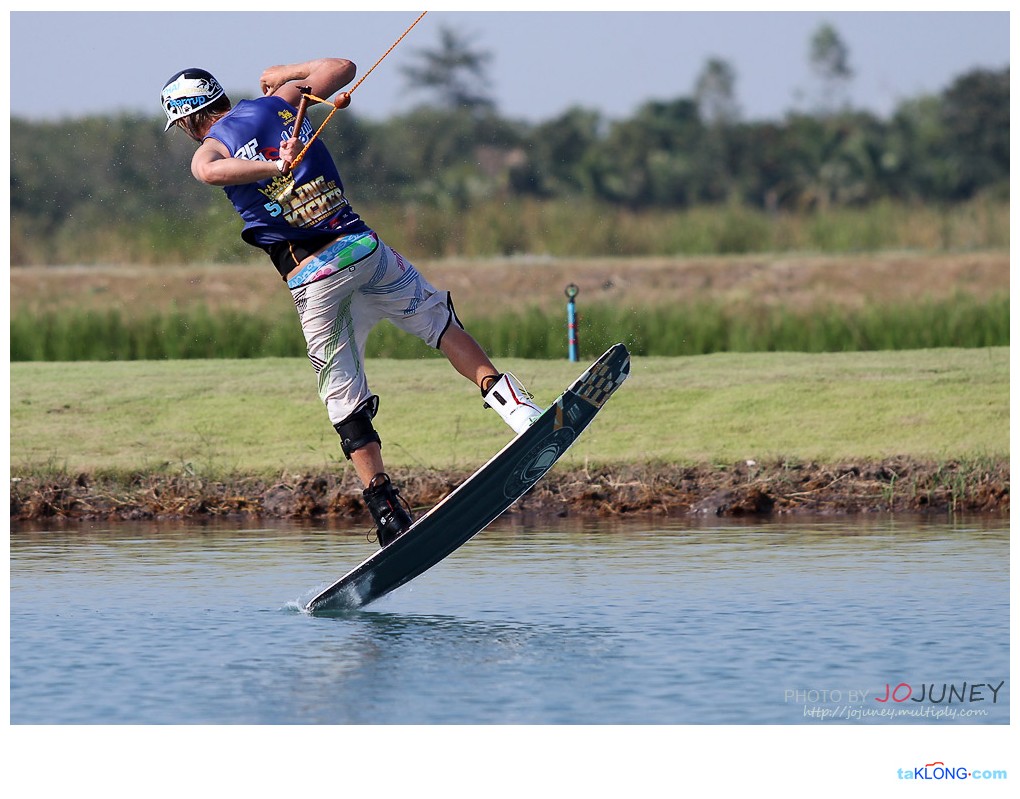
(339, 311)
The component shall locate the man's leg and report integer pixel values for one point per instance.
(502, 392)
(435, 322)
(360, 442)
(467, 356)
(336, 321)
(368, 462)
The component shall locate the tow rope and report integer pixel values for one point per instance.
(342, 100)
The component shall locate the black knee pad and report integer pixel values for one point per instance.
(356, 431)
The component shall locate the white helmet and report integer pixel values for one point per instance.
(187, 92)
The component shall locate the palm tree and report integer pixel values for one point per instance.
(454, 72)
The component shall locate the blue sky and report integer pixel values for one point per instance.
(543, 61)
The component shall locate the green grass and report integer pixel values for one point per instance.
(675, 330)
(263, 417)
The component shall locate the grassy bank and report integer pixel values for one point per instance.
(262, 417)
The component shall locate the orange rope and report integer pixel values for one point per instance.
(336, 108)
(356, 85)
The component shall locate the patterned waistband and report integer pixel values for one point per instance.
(341, 254)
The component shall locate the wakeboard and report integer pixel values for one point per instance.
(481, 498)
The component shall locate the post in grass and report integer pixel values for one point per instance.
(571, 292)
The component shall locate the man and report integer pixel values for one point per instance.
(342, 276)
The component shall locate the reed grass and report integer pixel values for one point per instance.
(670, 331)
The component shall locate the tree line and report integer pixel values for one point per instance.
(99, 176)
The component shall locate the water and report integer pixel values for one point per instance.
(792, 623)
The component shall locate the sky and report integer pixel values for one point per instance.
(543, 62)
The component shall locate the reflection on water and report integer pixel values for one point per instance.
(685, 622)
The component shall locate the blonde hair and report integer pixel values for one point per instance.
(203, 119)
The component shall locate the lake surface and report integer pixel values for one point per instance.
(810, 622)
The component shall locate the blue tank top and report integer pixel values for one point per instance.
(304, 206)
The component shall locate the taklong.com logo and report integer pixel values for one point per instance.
(940, 771)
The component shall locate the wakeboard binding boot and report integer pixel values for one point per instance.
(387, 508)
(511, 401)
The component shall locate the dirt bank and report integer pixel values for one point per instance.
(741, 489)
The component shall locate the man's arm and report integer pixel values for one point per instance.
(212, 164)
(325, 76)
